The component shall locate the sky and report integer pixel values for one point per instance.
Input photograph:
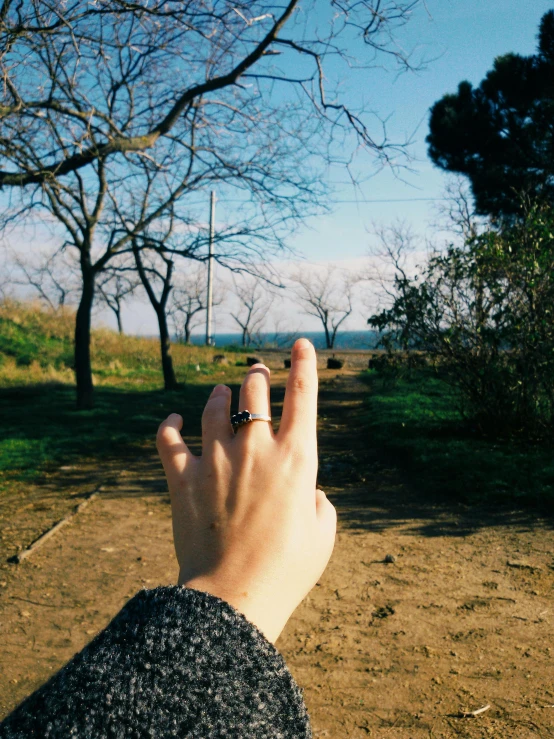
(464, 37)
(460, 38)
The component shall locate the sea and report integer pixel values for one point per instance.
(345, 340)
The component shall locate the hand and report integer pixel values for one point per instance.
(249, 525)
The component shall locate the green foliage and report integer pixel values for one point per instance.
(41, 430)
(418, 423)
(485, 310)
(500, 134)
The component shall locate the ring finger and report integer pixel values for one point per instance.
(254, 397)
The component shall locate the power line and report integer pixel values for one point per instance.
(336, 202)
(357, 201)
(390, 200)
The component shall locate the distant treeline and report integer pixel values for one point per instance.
(345, 340)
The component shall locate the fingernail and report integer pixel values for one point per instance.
(220, 390)
(303, 344)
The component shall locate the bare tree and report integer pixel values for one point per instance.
(52, 277)
(458, 217)
(328, 295)
(393, 252)
(283, 334)
(189, 301)
(254, 299)
(114, 288)
(90, 218)
(70, 70)
(393, 264)
(94, 116)
(456, 213)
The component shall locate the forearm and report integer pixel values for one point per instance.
(174, 662)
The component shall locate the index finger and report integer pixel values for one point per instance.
(300, 406)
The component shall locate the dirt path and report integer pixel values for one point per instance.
(463, 617)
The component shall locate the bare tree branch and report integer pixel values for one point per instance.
(254, 300)
(73, 68)
(327, 294)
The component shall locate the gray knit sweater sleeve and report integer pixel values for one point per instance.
(174, 662)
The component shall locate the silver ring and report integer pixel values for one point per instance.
(244, 417)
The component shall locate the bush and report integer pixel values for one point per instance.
(484, 310)
(418, 425)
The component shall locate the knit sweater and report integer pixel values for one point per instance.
(174, 662)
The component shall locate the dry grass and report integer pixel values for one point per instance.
(33, 315)
(11, 374)
(36, 346)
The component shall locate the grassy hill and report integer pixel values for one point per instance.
(36, 345)
(40, 429)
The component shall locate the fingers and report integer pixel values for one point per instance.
(300, 406)
(173, 451)
(254, 397)
(216, 423)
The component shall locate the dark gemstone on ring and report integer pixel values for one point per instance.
(239, 419)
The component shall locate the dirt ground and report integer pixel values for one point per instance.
(461, 619)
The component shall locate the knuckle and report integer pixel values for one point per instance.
(301, 384)
(255, 382)
(304, 352)
(215, 407)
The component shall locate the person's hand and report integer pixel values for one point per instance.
(248, 523)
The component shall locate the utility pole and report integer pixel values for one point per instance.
(209, 337)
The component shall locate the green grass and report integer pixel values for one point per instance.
(418, 423)
(40, 430)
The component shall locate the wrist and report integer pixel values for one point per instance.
(264, 618)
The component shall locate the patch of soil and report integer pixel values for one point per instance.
(428, 609)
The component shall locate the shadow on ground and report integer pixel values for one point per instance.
(373, 492)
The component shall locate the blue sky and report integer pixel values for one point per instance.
(464, 37)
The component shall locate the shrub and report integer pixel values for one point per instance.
(485, 311)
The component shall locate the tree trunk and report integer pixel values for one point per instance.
(170, 381)
(329, 341)
(187, 330)
(83, 369)
(118, 317)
